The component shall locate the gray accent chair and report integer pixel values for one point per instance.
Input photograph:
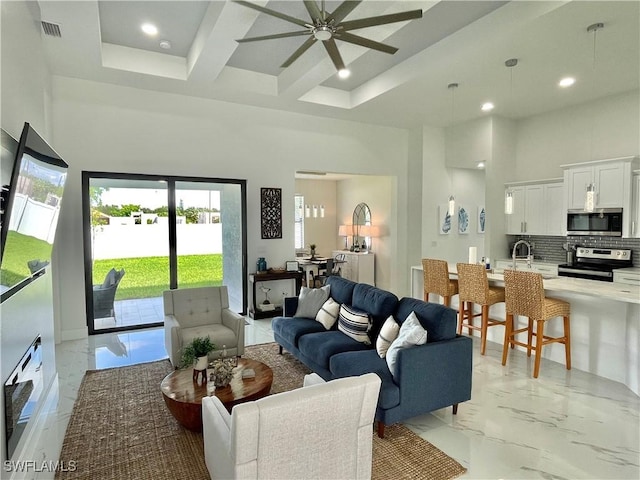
(323, 430)
(201, 312)
(105, 294)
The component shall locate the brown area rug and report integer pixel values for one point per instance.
(121, 429)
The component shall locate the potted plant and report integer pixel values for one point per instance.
(312, 250)
(196, 353)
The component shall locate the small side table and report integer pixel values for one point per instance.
(254, 278)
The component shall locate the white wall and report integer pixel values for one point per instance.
(321, 231)
(109, 128)
(25, 98)
(606, 128)
(379, 194)
(467, 185)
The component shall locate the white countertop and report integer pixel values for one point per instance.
(593, 288)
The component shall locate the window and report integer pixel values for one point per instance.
(299, 221)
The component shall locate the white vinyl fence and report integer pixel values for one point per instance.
(131, 241)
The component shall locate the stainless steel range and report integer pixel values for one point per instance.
(596, 263)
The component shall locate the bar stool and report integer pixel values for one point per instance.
(436, 280)
(525, 296)
(473, 288)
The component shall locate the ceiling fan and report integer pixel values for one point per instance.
(329, 27)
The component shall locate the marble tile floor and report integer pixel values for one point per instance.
(563, 425)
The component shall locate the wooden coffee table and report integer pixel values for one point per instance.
(183, 395)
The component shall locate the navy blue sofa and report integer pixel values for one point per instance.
(429, 377)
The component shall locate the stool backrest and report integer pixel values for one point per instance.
(436, 276)
(473, 285)
(524, 293)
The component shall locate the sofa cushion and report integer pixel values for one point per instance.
(341, 289)
(311, 300)
(348, 364)
(379, 303)
(439, 321)
(292, 328)
(411, 334)
(354, 323)
(326, 344)
(388, 334)
(328, 314)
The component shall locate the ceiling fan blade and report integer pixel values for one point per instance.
(303, 48)
(344, 9)
(314, 11)
(334, 53)
(381, 20)
(365, 42)
(273, 13)
(276, 35)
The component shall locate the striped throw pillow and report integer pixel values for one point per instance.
(354, 323)
(388, 333)
(328, 313)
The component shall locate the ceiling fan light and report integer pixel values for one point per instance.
(322, 32)
(344, 73)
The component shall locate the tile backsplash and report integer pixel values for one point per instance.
(550, 249)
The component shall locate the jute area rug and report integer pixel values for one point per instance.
(120, 429)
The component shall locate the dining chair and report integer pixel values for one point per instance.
(524, 295)
(473, 288)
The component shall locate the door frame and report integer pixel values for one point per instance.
(173, 258)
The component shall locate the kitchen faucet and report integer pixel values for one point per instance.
(529, 256)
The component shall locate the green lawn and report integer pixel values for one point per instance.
(147, 277)
(19, 249)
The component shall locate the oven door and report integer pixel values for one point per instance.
(588, 274)
(603, 222)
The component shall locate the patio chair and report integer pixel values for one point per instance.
(104, 295)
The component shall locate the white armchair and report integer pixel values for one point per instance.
(323, 430)
(201, 312)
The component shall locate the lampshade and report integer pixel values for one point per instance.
(365, 230)
(452, 205)
(343, 230)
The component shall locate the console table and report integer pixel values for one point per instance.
(254, 278)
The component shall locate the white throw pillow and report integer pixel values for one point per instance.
(411, 334)
(328, 313)
(354, 323)
(310, 301)
(388, 333)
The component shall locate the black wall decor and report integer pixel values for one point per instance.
(271, 212)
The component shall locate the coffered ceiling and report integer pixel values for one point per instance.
(466, 42)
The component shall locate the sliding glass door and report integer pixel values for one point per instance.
(145, 234)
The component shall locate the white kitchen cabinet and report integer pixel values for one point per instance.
(613, 183)
(611, 179)
(358, 267)
(537, 208)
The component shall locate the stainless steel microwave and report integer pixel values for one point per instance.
(605, 222)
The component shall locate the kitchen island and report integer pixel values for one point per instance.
(605, 324)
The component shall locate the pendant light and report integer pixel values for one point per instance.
(590, 193)
(508, 194)
(452, 201)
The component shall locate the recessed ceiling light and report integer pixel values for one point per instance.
(149, 29)
(567, 82)
(487, 107)
(480, 165)
(344, 73)
(166, 44)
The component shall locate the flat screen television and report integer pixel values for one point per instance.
(30, 209)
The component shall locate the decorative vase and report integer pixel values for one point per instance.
(261, 264)
(222, 372)
(200, 366)
(313, 253)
